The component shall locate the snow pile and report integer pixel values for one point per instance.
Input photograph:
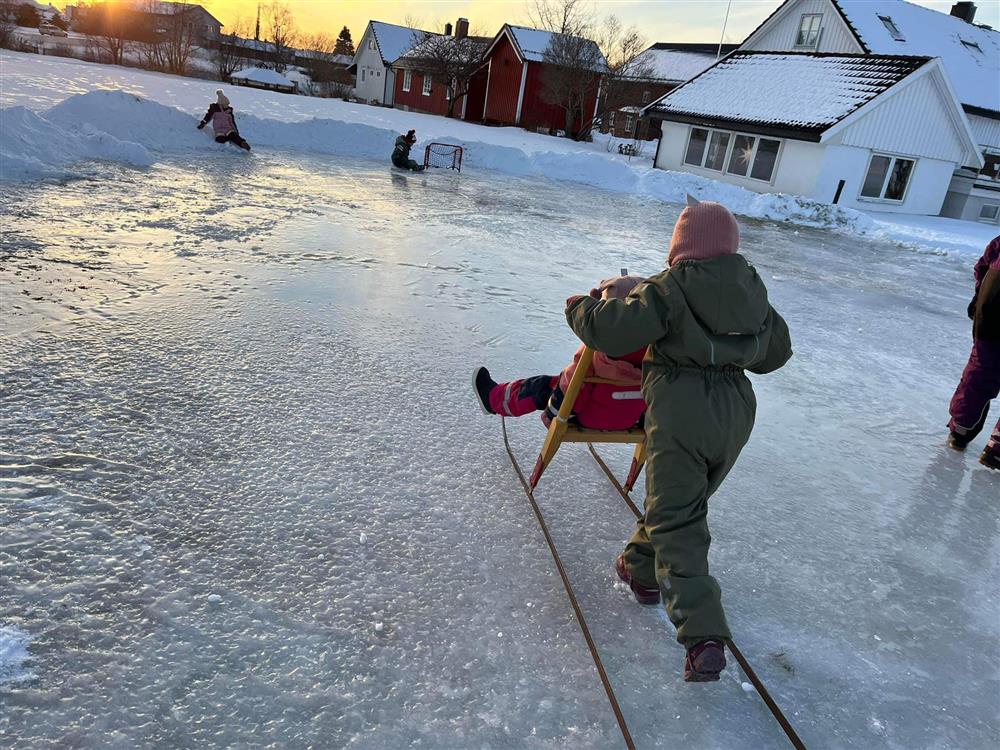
(261, 75)
(14, 655)
(34, 147)
(119, 116)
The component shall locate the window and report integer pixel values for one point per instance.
(646, 96)
(696, 147)
(891, 28)
(407, 79)
(629, 124)
(363, 75)
(371, 43)
(989, 212)
(809, 29)
(427, 85)
(715, 157)
(972, 46)
(991, 169)
(753, 157)
(887, 178)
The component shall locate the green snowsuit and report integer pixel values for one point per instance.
(401, 155)
(706, 322)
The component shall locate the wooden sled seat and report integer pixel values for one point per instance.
(576, 434)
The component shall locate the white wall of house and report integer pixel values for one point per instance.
(370, 78)
(891, 126)
(925, 191)
(783, 31)
(796, 171)
(815, 170)
(986, 131)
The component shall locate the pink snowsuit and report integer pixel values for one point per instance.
(223, 122)
(598, 406)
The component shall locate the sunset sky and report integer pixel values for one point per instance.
(659, 20)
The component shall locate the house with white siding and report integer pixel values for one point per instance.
(969, 54)
(380, 46)
(877, 132)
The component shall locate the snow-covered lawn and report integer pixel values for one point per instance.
(248, 499)
(80, 107)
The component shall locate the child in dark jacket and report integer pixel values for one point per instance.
(706, 320)
(598, 406)
(401, 152)
(223, 120)
(980, 381)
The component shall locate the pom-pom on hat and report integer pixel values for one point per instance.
(704, 230)
(222, 99)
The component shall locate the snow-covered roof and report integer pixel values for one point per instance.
(393, 41)
(532, 43)
(472, 48)
(970, 53)
(168, 8)
(262, 75)
(675, 65)
(802, 92)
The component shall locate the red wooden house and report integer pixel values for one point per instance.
(510, 88)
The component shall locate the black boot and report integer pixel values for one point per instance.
(957, 442)
(483, 384)
(990, 459)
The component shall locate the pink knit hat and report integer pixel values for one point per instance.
(704, 230)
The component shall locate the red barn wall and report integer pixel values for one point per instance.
(536, 112)
(477, 96)
(435, 104)
(504, 84)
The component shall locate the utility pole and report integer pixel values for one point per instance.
(256, 31)
(725, 23)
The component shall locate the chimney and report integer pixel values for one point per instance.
(447, 29)
(462, 28)
(965, 10)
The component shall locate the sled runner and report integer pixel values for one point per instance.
(561, 431)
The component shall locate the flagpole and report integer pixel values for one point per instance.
(725, 23)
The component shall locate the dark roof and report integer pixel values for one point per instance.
(705, 48)
(800, 93)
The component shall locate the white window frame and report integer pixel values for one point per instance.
(629, 123)
(428, 82)
(996, 213)
(733, 135)
(407, 79)
(363, 75)
(819, 31)
(371, 43)
(885, 180)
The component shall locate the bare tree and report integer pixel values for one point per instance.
(572, 75)
(8, 22)
(228, 53)
(282, 32)
(627, 66)
(114, 22)
(573, 17)
(451, 61)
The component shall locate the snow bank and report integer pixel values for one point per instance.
(32, 146)
(166, 129)
(14, 655)
(261, 75)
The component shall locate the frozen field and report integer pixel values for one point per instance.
(248, 499)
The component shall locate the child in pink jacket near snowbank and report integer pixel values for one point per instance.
(598, 406)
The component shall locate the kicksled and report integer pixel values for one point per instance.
(561, 431)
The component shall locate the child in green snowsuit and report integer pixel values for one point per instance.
(706, 320)
(401, 152)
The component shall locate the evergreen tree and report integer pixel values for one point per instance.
(344, 46)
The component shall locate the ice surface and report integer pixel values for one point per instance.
(14, 656)
(221, 372)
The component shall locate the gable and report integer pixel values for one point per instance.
(780, 31)
(893, 124)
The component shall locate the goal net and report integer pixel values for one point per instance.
(443, 156)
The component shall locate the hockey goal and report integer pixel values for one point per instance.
(443, 156)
